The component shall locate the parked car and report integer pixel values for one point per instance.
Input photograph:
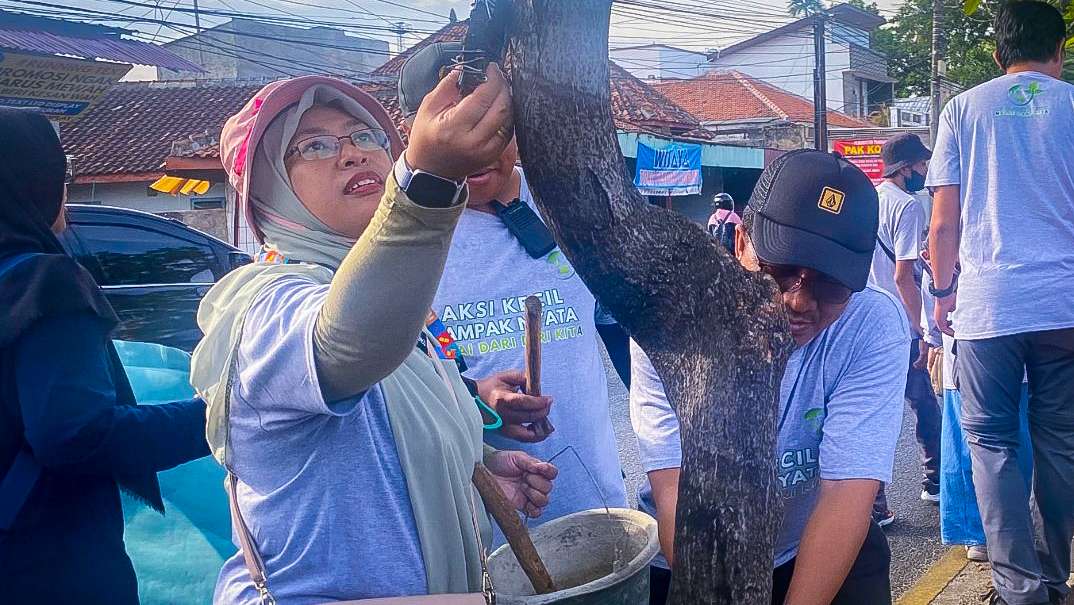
(154, 270)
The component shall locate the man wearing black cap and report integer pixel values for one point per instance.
(895, 268)
(811, 225)
(501, 253)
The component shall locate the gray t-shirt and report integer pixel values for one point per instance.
(902, 225)
(841, 409)
(1007, 144)
(320, 485)
(481, 302)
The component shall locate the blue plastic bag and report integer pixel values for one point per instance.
(177, 557)
(960, 518)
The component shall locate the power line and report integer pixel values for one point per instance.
(299, 20)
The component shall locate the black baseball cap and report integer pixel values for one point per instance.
(817, 210)
(421, 73)
(902, 150)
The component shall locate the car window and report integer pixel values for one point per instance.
(130, 255)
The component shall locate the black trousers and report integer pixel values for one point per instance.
(868, 583)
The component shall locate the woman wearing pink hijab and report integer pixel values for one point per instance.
(349, 443)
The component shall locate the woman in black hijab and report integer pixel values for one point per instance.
(71, 434)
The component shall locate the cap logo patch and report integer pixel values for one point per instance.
(831, 200)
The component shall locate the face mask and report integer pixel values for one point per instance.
(915, 182)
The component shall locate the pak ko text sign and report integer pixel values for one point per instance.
(863, 153)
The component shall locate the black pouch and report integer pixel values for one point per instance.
(526, 226)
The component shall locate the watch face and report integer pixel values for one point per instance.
(430, 189)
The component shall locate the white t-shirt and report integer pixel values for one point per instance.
(1007, 145)
(902, 225)
(481, 302)
(841, 405)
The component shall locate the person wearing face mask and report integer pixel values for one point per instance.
(811, 225)
(348, 440)
(71, 433)
(896, 268)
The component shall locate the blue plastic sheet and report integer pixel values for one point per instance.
(176, 557)
(960, 518)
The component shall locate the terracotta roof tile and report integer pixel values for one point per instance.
(131, 130)
(731, 96)
(452, 32)
(635, 105)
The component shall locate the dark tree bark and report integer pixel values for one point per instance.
(715, 332)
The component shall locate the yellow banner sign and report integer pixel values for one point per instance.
(56, 86)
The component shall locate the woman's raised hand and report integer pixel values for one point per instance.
(455, 136)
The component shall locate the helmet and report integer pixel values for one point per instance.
(723, 200)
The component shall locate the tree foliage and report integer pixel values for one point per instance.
(907, 41)
(802, 8)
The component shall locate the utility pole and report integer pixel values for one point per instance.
(820, 93)
(197, 29)
(938, 68)
(400, 30)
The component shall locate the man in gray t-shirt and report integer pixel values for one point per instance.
(1003, 177)
(811, 225)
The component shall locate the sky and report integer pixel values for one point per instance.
(697, 25)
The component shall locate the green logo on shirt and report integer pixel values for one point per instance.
(563, 267)
(815, 416)
(1023, 95)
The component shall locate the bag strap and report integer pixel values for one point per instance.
(255, 565)
(22, 475)
(919, 267)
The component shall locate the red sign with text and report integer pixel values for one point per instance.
(863, 153)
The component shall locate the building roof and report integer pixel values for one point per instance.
(29, 33)
(131, 129)
(636, 106)
(452, 32)
(656, 45)
(844, 13)
(732, 96)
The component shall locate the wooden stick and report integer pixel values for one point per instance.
(534, 312)
(518, 537)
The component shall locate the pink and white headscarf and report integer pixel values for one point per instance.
(252, 147)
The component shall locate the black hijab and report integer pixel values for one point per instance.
(32, 167)
(50, 283)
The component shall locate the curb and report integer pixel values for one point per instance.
(936, 578)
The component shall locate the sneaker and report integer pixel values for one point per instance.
(883, 518)
(928, 496)
(977, 552)
(991, 597)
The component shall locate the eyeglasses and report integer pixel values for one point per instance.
(329, 146)
(791, 279)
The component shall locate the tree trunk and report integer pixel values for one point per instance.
(715, 332)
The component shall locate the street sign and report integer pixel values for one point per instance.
(672, 170)
(863, 153)
(58, 87)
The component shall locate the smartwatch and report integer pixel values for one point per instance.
(426, 188)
